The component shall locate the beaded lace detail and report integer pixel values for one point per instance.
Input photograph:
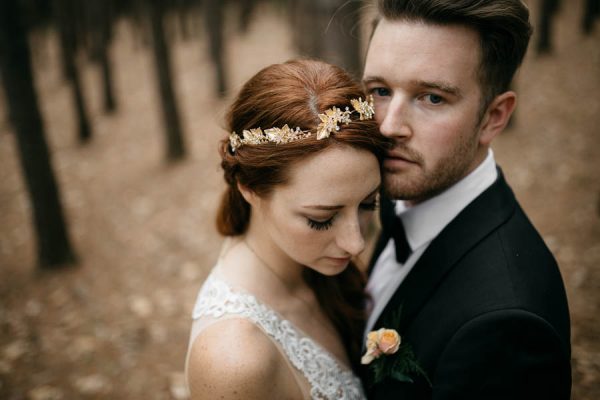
(328, 379)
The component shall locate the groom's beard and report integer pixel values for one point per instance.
(422, 180)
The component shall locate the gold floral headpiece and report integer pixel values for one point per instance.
(330, 122)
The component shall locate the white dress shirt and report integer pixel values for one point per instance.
(422, 223)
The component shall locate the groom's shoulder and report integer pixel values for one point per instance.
(512, 267)
(514, 257)
(509, 264)
(519, 249)
(510, 236)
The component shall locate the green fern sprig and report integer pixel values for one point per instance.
(399, 366)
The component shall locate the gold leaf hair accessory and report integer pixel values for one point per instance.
(330, 123)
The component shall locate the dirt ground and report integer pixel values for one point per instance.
(116, 326)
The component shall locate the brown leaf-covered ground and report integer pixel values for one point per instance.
(116, 326)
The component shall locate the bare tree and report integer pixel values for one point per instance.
(342, 34)
(54, 248)
(68, 18)
(247, 8)
(162, 61)
(328, 29)
(100, 15)
(214, 15)
(548, 10)
(591, 12)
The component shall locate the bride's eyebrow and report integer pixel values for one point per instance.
(337, 207)
(324, 207)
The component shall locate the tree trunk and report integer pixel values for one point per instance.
(342, 34)
(174, 136)
(247, 8)
(66, 21)
(100, 15)
(330, 30)
(306, 27)
(547, 12)
(591, 12)
(214, 13)
(53, 244)
(110, 103)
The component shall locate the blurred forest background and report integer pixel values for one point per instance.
(110, 113)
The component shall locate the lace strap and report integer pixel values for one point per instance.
(328, 380)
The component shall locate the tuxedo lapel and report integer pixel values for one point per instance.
(475, 222)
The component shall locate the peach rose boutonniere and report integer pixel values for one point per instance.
(382, 341)
(389, 358)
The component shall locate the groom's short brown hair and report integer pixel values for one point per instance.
(503, 27)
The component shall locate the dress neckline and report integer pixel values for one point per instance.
(213, 277)
(327, 376)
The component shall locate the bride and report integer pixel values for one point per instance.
(281, 314)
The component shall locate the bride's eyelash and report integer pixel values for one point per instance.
(318, 225)
(370, 206)
(324, 225)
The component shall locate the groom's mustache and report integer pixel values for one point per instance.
(405, 153)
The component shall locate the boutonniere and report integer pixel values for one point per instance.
(388, 357)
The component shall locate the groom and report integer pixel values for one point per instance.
(459, 270)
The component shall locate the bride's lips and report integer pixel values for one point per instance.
(340, 260)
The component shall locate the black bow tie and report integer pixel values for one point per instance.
(403, 249)
(393, 228)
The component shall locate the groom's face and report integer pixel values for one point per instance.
(424, 80)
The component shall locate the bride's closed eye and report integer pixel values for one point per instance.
(371, 202)
(326, 224)
(370, 206)
(320, 225)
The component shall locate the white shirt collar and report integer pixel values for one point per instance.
(425, 221)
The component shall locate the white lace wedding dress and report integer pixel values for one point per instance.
(319, 374)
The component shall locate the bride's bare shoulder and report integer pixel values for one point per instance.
(235, 359)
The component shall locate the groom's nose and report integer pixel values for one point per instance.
(395, 123)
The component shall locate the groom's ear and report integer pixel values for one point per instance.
(497, 116)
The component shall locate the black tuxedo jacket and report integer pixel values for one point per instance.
(484, 310)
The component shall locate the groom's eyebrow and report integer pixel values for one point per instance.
(443, 86)
(371, 79)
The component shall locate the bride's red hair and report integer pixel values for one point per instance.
(294, 93)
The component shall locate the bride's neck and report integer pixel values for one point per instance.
(270, 255)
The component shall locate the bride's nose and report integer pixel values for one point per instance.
(350, 237)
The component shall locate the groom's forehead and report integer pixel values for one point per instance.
(409, 42)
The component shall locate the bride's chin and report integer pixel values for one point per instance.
(330, 266)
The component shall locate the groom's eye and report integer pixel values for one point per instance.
(433, 98)
(380, 91)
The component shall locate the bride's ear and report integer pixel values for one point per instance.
(249, 195)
